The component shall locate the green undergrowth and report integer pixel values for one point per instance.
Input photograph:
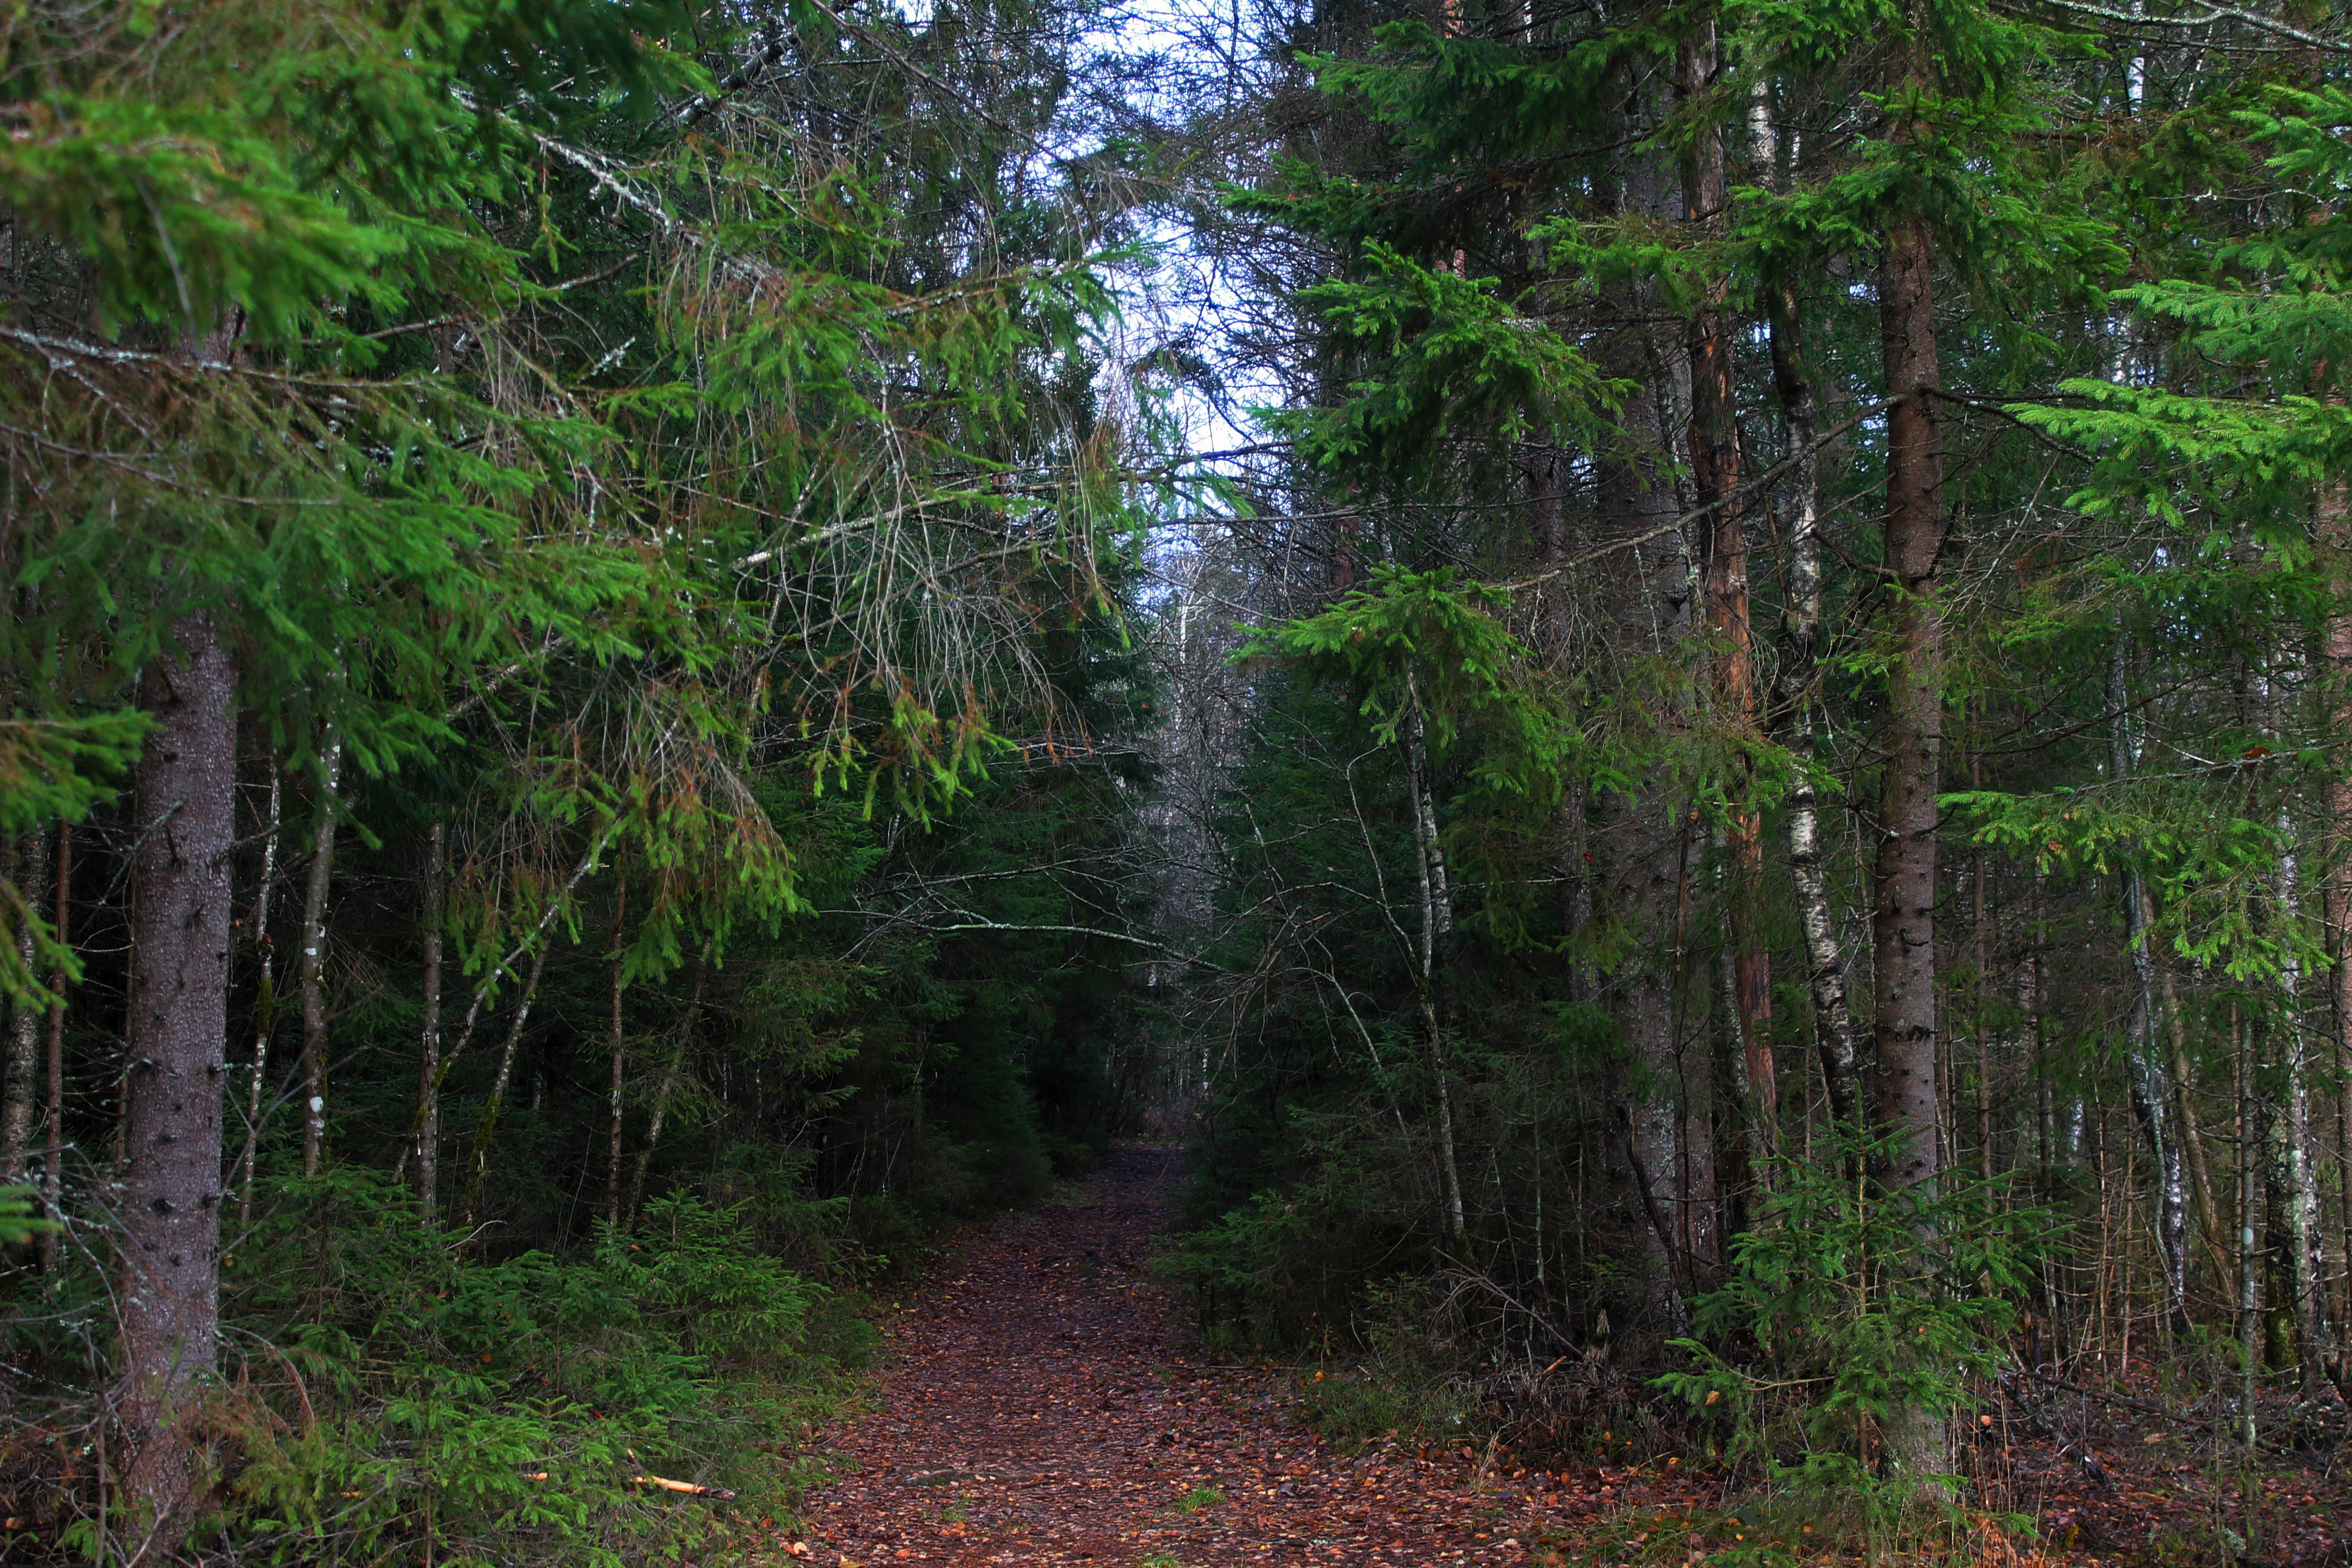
(388, 1395)
(1200, 1498)
(1355, 1409)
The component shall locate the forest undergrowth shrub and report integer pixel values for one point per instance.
(1310, 1275)
(1846, 1306)
(1292, 1268)
(1282, 1275)
(1232, 1271)
(385, 1385)
(767, 1184)
(1397, 1378)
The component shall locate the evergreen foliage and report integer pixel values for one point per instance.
(662, 498)
(1731, 815)
(1898, 451)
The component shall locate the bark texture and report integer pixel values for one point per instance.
(1903, 921)
(1716, 471)
(1903, 918)
(1644, 615)
(2291, 1132)
(2332, 534)
(1833, 1033)
(178, 1021)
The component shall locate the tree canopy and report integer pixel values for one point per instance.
(1671, 679)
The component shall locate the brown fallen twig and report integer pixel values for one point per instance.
(690, 1489)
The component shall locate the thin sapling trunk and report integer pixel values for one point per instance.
(619, 1043)
(53, 1158)
(265, 1008)
(427, 1143)
(23, 1069)
(314, 959)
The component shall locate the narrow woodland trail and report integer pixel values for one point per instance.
(1040, 1408)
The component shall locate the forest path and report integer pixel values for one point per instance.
(1041, 1407)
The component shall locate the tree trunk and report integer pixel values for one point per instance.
(2151, 1088)
(2332, 534)
(314, 961)
(23, 1074)
(1645, 615)
(2249, 1255)
(428, 1099)
(1833, 1033)
(477, 1160)
(1436, 930)
(2193, 1132)
(428, 1054)
(1903, 924)
(177, 1024)
(2342, 1371)
(613, 1163)
(2344, 1214)
(265, 1009)
(1744, 1170)
(1715, 470)
(53, 1162)
(2291, 1126)
(1978, 932)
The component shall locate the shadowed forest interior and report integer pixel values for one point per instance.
(1674, 682)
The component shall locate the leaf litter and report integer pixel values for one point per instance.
(1043, 1405)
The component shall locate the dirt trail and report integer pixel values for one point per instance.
(1040, 1408)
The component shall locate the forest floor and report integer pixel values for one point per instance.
(1043, 1405)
